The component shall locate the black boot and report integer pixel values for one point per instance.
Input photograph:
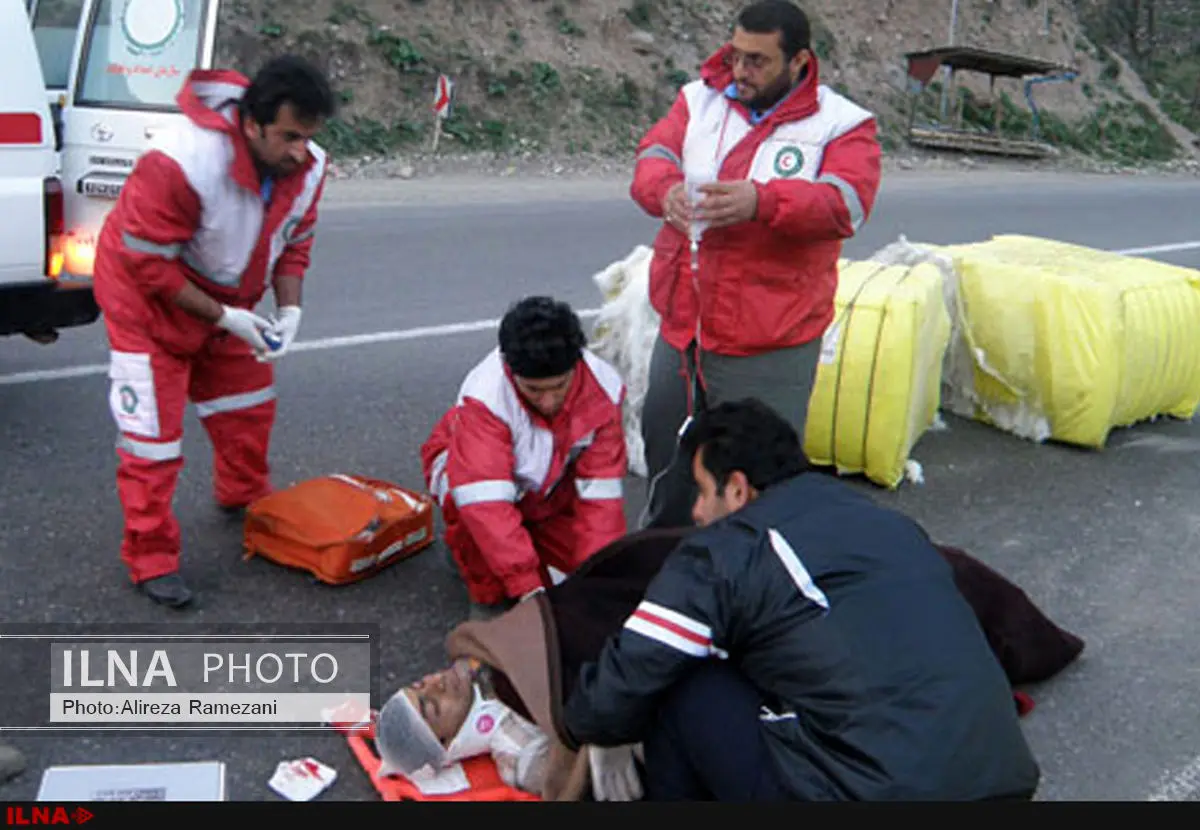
(169, 590)
(233, 511)
(12, 762)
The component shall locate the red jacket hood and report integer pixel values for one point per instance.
(205, 93)
(800, 103)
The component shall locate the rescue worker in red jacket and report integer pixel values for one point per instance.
(781, 170)
(529, 464)
(213, 214)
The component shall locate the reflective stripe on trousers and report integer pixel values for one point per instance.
(234, 403)
(171, 450)
(150, 450)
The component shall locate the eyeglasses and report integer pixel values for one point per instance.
(753, 62)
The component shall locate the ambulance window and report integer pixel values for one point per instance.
(54, 25)
(138, 53)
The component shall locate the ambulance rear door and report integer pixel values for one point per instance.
(131, 60)
(55, 26)
(31, 199)
(27, 180)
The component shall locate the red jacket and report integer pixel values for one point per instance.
(503, 467)
(768, 283)
(192, 211)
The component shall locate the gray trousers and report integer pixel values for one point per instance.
(782, 379)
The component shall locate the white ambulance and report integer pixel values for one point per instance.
(128, 61)
(31, 193)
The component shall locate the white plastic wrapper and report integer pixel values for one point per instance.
(303, 779)
(624, 335)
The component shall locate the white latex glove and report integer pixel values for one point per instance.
(284, 329)
(614, 774)
(246, 325)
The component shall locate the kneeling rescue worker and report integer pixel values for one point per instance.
(805, 644)
(529, 464)
(215, 211)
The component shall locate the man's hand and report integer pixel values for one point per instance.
(246, 325)
(677, 210)
(614, 774)
(284, 330)
(728, 203)
(195, 302)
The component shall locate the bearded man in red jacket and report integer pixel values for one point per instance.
(220, 208)
(529, 464)
(773, 170)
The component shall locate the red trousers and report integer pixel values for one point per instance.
(150, 387)
(553, 539)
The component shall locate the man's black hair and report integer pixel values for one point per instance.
(745, 435)
(782, 16)
(288, 79)
(541, 337)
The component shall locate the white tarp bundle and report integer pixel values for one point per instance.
(624, 335)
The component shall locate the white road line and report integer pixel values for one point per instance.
(300, 346)
(1178, 786)
(408, 334)
(422, 332)
(1161, 443)
(1161, 249)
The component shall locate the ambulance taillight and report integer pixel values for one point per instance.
(55, 226)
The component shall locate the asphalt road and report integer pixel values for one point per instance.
(1103, 542)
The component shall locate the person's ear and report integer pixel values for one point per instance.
(738, 490)
(250, 128)
(797, 63)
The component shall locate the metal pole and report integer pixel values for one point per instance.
(946, 74)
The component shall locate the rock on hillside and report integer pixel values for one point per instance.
(590, 75)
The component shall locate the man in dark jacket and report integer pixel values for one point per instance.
(806, 644)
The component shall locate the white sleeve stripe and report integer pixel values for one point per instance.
(599, 488)
(669, 638)
(854, 204)
(796, 569)
(653, 609)
(484, 491)
(658, 151)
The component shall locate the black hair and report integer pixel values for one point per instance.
(746, 435)
(541, 337)
(782, 16)
(293, 80)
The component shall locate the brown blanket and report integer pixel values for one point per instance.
(539, 646)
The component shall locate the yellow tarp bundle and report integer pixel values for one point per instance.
(1040, 338)
(878, 382)
(1069, 342)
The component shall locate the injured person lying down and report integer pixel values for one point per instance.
(509, 679)
(455, 714)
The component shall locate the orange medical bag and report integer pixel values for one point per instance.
(340, 528)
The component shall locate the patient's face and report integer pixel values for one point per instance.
(444, 699)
